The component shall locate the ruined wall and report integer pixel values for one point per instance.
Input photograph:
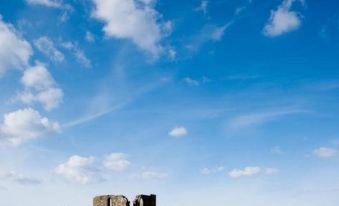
(120, 200)
(110, 200)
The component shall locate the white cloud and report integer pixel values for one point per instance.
(178, 131)
(78, 169)
(252, 171)
(78, 53)
(40, 87)
(282, 20)
(191, 82)
(47, 3)
(37, 77)
(117, 162)
(247, 171)
(15, 52)
(23, 125)
(134, 20)
(325, 152)
(47, 47)
(210, 171)
(153, 175)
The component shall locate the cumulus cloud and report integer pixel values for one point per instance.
(252, 171)
(78, 169)
(178, 131)
(116, 162)
(15, 52)
(47, 47)
(40, 87)
(325, 152)
(135, 20)
(282, 20)
(24, 125)
(47, 3)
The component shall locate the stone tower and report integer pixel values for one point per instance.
(110, 200)
(145, 200)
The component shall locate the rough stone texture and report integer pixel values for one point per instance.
(110, 200)
(145, 200)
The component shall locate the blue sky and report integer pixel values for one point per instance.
(201, 102)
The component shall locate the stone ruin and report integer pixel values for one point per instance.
(120, 200)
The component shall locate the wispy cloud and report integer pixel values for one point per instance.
(325, 152)
(19, 178)
(254, 119)
(210, 171)
(203, 7)
(252, 171)
(46, 46)
(210, 33)
(79, 54)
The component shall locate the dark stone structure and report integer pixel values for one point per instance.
(145, 200)
(120, 200)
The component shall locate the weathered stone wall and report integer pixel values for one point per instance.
(110, 200)
(120, 200)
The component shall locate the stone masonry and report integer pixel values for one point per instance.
(110, 200)
(120, 200)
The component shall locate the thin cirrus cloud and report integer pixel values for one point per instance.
(24, 125)
(134, 20)
(209, 33)
(78, 53)
(40, 87)
(283, 20)
(255, 119)
(18, 178)
(325, 152)
(210, 171)
(15, 52)
(152, 175)
(203, 7)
